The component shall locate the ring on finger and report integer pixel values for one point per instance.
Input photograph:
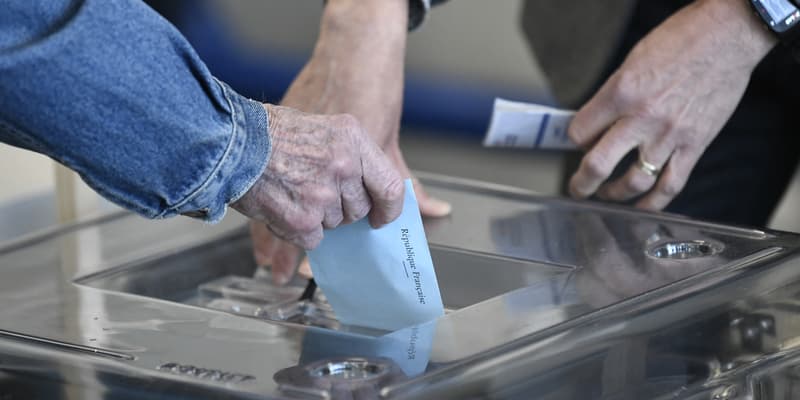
(647, 167)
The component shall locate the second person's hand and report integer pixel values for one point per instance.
(669, 99)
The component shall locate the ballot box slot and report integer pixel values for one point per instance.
(220, 275)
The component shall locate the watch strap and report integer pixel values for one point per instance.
(417, 11)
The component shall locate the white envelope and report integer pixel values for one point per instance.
(528, 126)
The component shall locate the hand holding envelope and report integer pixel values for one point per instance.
(379, 278)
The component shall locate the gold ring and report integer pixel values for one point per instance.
(647, 167)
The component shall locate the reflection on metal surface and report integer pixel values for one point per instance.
(259, 298)
(550, 297)
(726, 393)
(684, 250)
(342, 378)
(350, 369)
(247, 289)
(66, 346)
(205, 373)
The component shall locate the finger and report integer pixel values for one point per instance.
(304, 269)
(637, 181)
(383, 184)
(309, 240)
(333, 215)
(672, 180)
(355, 200)
(263, 243)
(595, 117)
(284, 262)
(598, 164)
(430, 206)
(306, 234)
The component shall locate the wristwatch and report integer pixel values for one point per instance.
(781, 17)
(418, 10)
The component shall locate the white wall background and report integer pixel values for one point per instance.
(23, 173)
(26, 192)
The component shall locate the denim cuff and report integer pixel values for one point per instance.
(240, 166)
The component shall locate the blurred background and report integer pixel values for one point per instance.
(467, 53)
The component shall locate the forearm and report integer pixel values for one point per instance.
(358, 61)
(114, 92)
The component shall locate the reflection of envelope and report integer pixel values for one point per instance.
(379, 278)
(409, 348)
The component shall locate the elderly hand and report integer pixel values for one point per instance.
(669, 99)
(323, 171)
(356, 68)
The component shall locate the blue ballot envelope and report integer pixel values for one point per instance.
(379, 278)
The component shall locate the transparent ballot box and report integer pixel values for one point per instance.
(545, 298)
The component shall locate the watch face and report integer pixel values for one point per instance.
(780, 15)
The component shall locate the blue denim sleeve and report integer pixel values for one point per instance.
(113, 91)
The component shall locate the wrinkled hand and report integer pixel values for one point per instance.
(669, 99)
(283, 256)
(356, 68)
(323, 171)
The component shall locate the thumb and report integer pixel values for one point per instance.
(430, 206)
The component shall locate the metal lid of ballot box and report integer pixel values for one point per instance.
(544, 296)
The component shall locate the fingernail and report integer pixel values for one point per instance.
(575, 194)
(305, 269)
(437, 208)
